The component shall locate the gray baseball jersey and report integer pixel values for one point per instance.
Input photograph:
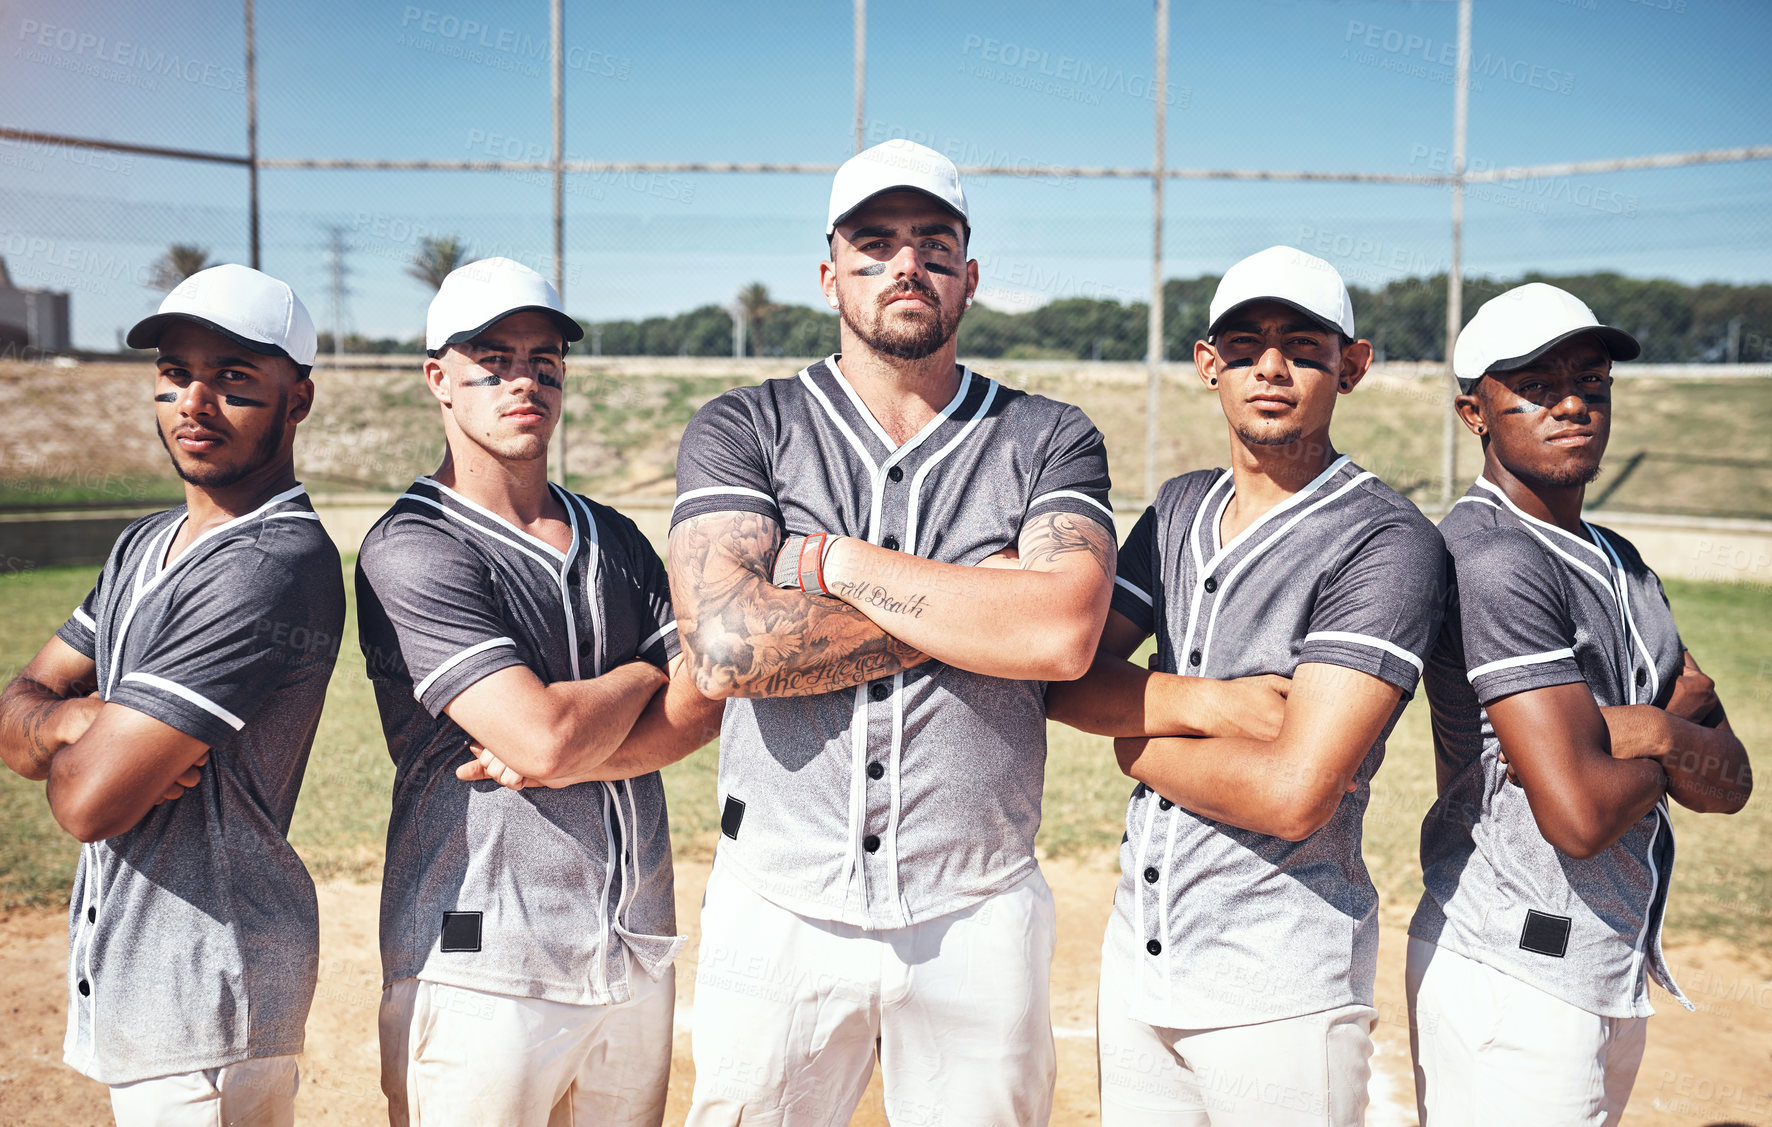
(534, 893)
(918, 794)
(1539, 606)
(1233, 927)
(194, 937)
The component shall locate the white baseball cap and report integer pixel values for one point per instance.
(1291, 277)
(891, 166)
(1517, 327)
(472, 297)
(254, 310)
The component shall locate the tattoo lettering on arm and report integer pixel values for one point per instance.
(29, 707)
(744, 636)
(1060, 535)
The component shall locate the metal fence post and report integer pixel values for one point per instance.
(1461, 95)
(1154, 341)
(252, 132)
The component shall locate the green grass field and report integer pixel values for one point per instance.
(1723, 886)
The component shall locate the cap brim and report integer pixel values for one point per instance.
(1620, 345)
(569, 328)
(147, 332)
(831, 229)
(1212, 329)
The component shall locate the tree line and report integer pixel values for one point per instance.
(1406, 320)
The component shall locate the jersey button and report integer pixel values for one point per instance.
(871, 843)
(92, 915)
(891, 542)
(1642, 677)
(1164, 804)
(1211, 585)
(896, 473)
(1154, 947)
(85, 988)
(1150, 876)
(879, 691)
(1194, 658)
(876, 771)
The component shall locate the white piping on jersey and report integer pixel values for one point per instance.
(1612, 581)
(418, 690)
(93, 889)
(1168, 952)
(1142, 855)
(1200, 572)
(1630, 621)
(85, 619)
(533, 539)
(1242, 565)
(656, 635)
(302, 514)
(917, 479)
(1073, 493)
(894, 759)
(1514, 662)
(603, 900)
(877, 488)
(1120, 581)
(1536, 523)
(1636, 957)
(1365, 640)
(721, 490)
(146, 581)
(593, 566)
(191, 695)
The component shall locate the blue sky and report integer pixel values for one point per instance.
(1256, 84)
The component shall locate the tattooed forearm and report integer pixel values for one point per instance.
(1049, 539)
(743, 636)
(27, 724)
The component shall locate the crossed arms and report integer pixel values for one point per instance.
(1591, 773)
(106, 764)
(1260, 753)
(1033, 612)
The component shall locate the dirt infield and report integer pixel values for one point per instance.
(1709, 1067)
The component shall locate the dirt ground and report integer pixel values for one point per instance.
(1711, 1067)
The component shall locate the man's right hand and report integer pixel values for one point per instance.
(1250, 707)
(1695, 694)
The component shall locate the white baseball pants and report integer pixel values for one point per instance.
(790, 1013)
(452, 1056)
(1310, 1070)
(1492, 1050)
(253, 1093)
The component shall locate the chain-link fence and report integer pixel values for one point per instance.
(695, 158)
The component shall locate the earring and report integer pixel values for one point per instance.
(969, 302)
(1213, 381)
(1480, 430)
(1344, 385)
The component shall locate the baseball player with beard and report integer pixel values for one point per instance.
(1237, 969)
(527, 929)
(197, 666)
(879, 564)
(1566, 714)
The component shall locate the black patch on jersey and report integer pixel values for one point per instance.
(461, 931)
(732, 817)
(1545, 934)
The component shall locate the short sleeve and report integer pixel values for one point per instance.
(652, 604)
(1074, 477)
(426, 611)
(1135, 581)
(1381, 610)
(720, 463)
(81, 629)
(240, 623)
(1514, 613)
